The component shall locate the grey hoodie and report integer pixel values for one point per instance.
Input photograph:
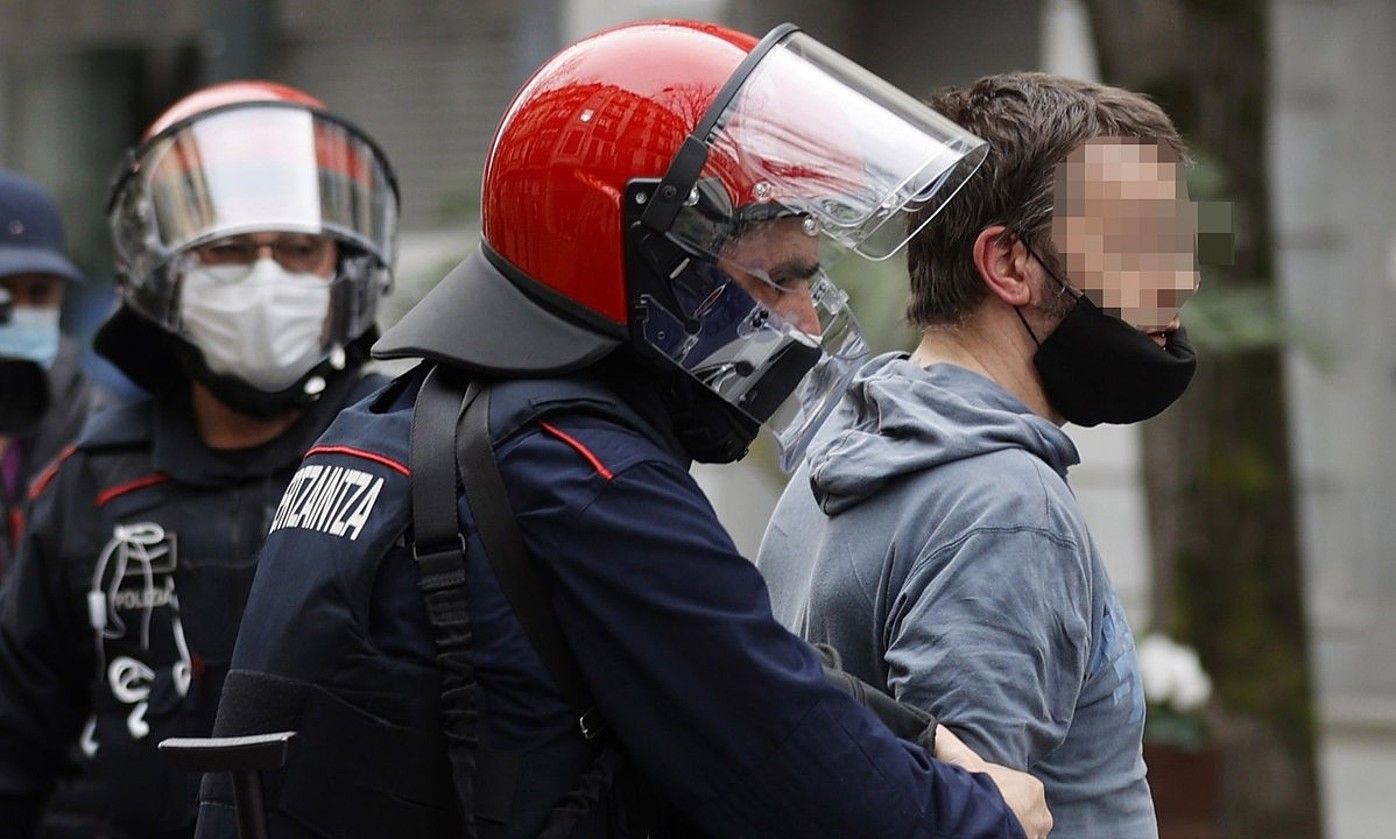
(931, 538)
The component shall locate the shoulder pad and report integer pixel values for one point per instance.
(375, 427)
(519, 402)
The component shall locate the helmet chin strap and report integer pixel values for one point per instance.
(249, 401)
(710, 429)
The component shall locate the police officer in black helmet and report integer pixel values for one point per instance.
(254, 235)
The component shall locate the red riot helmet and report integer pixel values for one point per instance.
(681, 188)
(234, 163)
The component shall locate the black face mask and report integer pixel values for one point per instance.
(24, 396)
(1096, 368)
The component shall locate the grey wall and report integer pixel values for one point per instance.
(917, 45)
(427, 79)
(1331, 151)
(1335, 206)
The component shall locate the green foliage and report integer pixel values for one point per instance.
(878, 293)
(1244, 471)
(1187, 732)
(1232, 318)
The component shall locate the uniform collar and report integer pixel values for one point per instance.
(179, 453)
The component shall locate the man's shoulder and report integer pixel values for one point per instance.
(559, 432)
(580, 442)
(996, 503)
(350, 493)
(1008, 481)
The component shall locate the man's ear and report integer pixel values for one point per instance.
(1002, 265)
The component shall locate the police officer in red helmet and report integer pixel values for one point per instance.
(492, 601)
(254, 234)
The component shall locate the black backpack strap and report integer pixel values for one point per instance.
(485, 785)
(516, 568)
(439, 549)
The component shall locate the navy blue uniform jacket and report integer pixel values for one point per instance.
(118, 618)
(725, 714)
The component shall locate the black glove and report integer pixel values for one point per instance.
(906, 721)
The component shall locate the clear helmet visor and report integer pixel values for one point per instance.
(252, 168)
(256, 168)
(764, 327)
(814, 159)
(811, 132)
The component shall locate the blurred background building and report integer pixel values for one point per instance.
(80, 79)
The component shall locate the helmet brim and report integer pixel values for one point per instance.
(478, 319)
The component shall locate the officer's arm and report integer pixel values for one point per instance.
(43, 670)
(722, 708)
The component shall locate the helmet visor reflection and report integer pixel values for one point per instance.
(782, 360)
(254, 168)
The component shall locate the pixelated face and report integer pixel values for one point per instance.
(1127, 230)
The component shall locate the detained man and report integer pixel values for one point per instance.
(931, 536)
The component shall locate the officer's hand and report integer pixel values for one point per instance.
(1024, 794)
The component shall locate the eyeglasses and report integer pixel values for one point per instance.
(299, 252)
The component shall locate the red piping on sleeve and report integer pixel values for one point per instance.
(130, 486)
(580, 448)
(361, 453)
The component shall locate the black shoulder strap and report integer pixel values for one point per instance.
(439, 546)
(516, 567)
(439, 549)
(520, 576)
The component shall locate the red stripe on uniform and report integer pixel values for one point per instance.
(50, 472)
(130, 486)
(581, 449)
(16, 531)
(366, 455)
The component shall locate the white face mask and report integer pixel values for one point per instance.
(264, 326)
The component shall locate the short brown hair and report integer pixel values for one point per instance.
(1031, 121)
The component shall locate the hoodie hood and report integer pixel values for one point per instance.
(898, 418)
